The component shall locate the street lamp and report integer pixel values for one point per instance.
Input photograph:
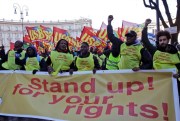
(22, 9)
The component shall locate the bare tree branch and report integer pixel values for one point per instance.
(148, 6)
(177, 21)
(159, 14)
(168, 14)
(153, 5)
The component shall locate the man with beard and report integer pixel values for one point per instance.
(165, 55)
(60, 60)
(86, 61)
(132, 54)
(13, 59)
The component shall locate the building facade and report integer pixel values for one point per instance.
(11, 31)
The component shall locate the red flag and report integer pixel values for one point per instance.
(47, 31)
(120, 33)
(126, 26)
(59, 34)
(78, 43)
(27, 39)
(102, 33)
(63, 34)
(89, 36)
(35, 33)
(11, 46)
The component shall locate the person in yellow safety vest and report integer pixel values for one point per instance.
(33, 62)
(165, 55)
(86, 61)
(133, 55)
(14, 57)
(95, 52)
(60, 59)
(112, 62)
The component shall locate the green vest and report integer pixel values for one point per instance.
(61, 59)
(10, 63)
(32, 64)
(102, 57)
(85, 64)
(112, 62)
(130, 56)
(164, 60)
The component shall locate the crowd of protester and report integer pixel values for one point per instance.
(131, 54)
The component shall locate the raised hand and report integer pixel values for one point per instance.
(110, 18)
(147, 22)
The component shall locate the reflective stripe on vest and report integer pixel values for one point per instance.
(112, 62)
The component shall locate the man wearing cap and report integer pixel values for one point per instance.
(132, 54)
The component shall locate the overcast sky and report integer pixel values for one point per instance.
(97, 10)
